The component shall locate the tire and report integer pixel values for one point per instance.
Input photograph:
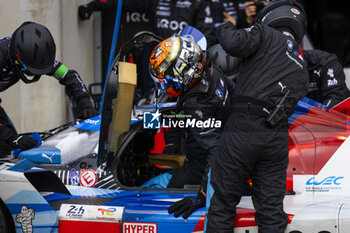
(6, 221)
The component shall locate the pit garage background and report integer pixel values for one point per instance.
(84, 46)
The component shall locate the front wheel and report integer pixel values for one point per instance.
(6, 221)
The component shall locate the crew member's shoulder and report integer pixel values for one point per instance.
(319, 57)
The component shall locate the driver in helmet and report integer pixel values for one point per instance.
(180, 68)
(30, 52)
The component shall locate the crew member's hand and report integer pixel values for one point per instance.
(187, 205)
(250, 11)
(85, 11)
(84, 109)
(229, 18)
(24, 142)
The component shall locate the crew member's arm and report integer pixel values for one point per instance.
(333, 86)
(75, 89)
(239, 42)
(85, 11)
(16, 141)
(207, 138)
(204, 21)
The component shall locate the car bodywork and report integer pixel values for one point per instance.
(55, 200)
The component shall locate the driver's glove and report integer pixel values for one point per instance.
(187, 205)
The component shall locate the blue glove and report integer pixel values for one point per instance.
(25, 142)
(160, 181)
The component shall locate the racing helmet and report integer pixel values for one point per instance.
(32, 50)
(285, 13)
(176, 64)
(228, 64)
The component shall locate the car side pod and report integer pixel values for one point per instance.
(90, 219)
(34, 157)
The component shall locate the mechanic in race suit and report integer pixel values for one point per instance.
(180, 68)
(167, 17)
(30, 51)
(327, 79)
(254, 143)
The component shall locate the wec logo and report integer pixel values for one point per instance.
(330, 180)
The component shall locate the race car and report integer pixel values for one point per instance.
(86, 178)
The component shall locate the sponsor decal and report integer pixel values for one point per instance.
(88, 178)
(298, 55)
(163, 13)
(138, 227)
(219, 93)
(173, 25)
(330, 180)
(294, 60)
(109, 211)
(295, 11)
(74, 177)
(158, 52)
(281, 85)
(25, 218)
(136, 17)
(318, 72)
(221, 85)
(183, 4)
(313, 184)
(47, 157)
(332, 82)
(75, 211)
(330, 72)
(93, 122)
(91, 213)
(290, 45)
(313, 86)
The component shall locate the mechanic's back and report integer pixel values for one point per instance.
(265, 80)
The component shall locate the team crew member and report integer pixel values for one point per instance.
(167, 17)
(327, 79)
(30, 51)
(254, 144)
(179, 67)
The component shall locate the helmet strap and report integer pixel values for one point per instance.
(20, 74)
